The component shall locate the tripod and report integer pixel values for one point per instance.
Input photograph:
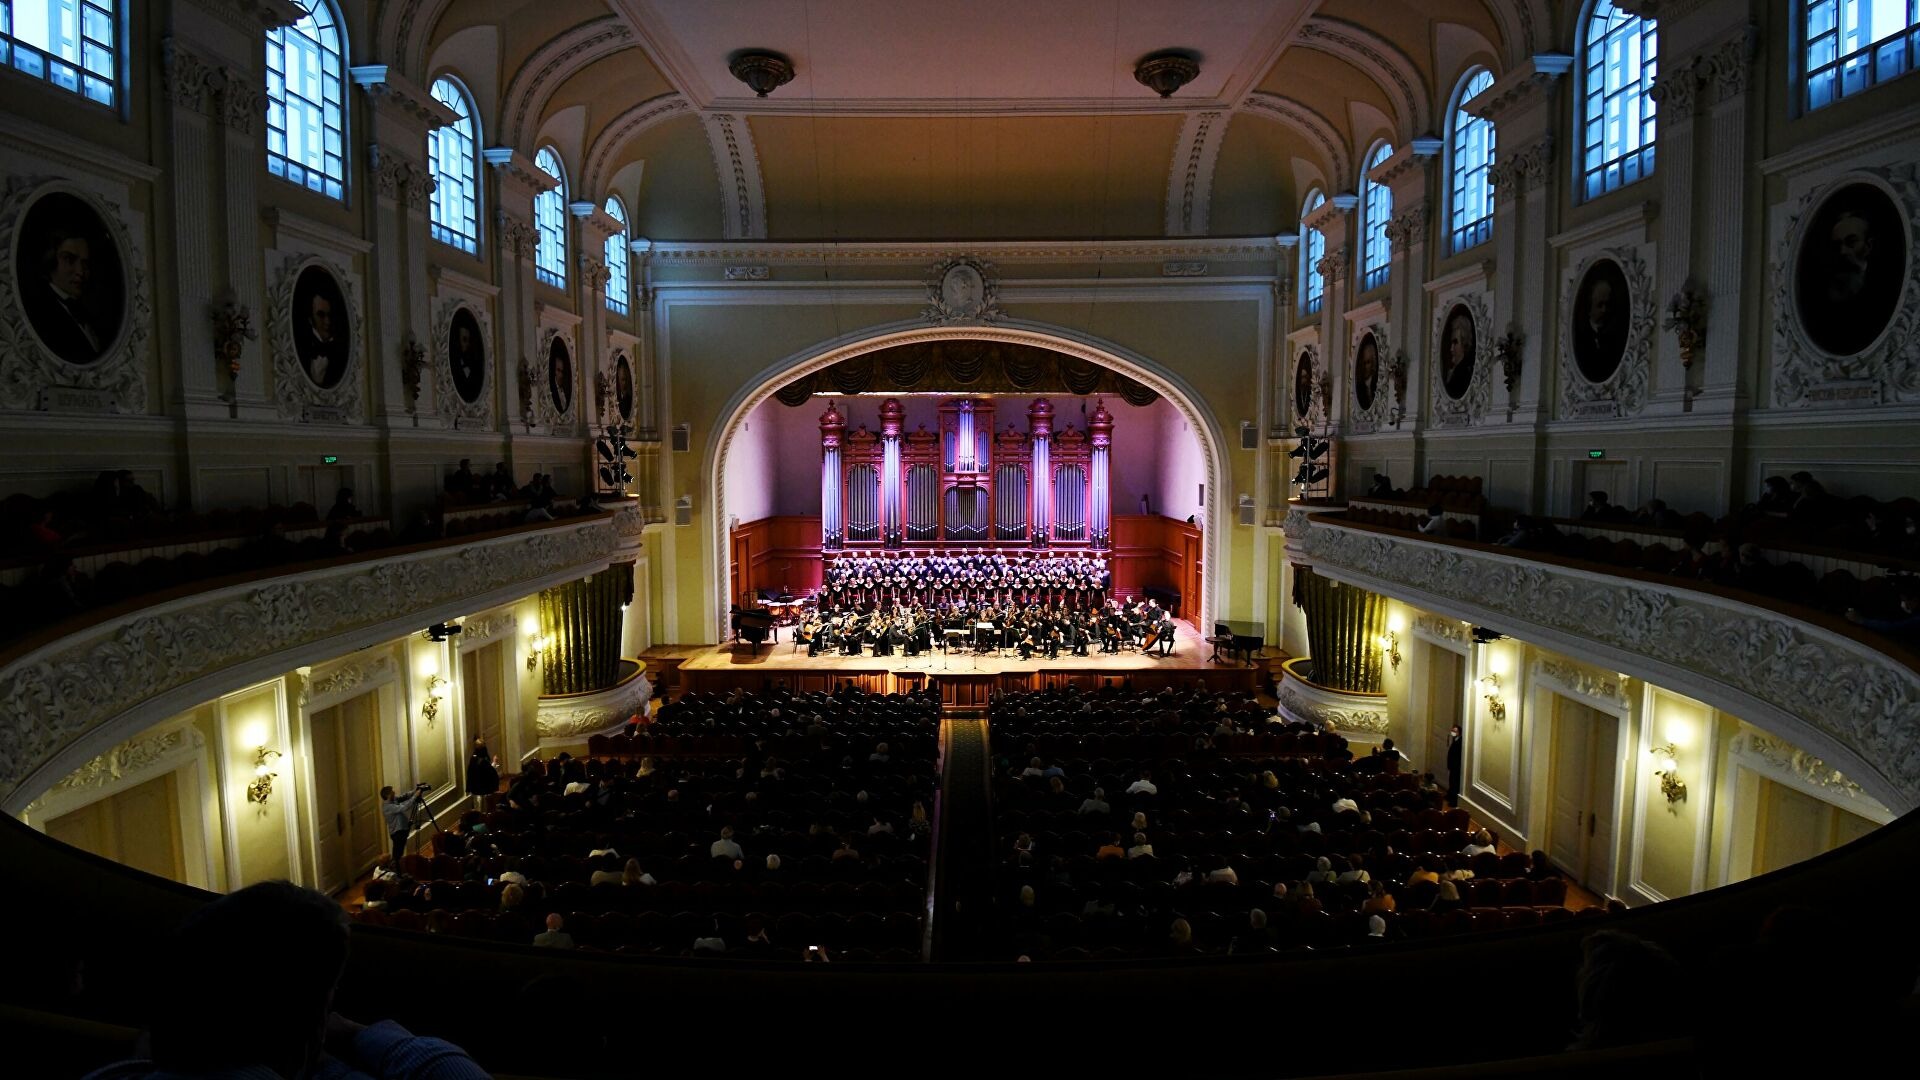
(413, 817)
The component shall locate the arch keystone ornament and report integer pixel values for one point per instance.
(962, 289)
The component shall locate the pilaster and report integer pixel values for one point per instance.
(516, 181)
(402, 116)
(1522, 106)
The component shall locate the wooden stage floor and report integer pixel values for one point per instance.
(723, 667)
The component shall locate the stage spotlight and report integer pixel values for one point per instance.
(440, 631)
(1483, 635)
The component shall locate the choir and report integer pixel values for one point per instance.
(1074, 581)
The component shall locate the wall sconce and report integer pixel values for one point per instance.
(1496, 705)
(1390, 646)
(430, 708)
(261, 786)
(536, 645)
(1666, 766)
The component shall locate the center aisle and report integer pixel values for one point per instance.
(963, 894)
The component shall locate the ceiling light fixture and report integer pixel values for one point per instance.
(762, 71)
(1166, 71)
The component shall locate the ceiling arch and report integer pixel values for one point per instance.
(1381, 60)
(623, 129)
(1332, 145)
(551, 66)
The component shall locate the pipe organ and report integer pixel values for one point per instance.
(967, 483)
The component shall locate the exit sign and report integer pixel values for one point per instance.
(334, 459)
(1596, 455)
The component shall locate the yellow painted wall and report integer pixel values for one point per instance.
(1668, 831)
(259, 829)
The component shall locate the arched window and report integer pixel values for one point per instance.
(451, 158)
(1469, 153)
(1619, 58)
(1377, 209)
(1856, 44)
(617, 284)
(307, 101)
(550, 221)
(1313, 248)
(73, 44)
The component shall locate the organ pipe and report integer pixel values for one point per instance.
(1343, 624)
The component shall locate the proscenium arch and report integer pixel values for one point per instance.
(1163, 381)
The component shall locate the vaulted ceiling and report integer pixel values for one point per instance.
(928, 119)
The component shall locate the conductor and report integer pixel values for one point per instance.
(399, 814)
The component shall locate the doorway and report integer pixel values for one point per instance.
(348, 831)
(138, 827)
(1795, 826)
(1580, 825)
(1446, 673)
(482, 699)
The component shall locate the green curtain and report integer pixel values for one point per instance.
(583, 619)
(1344, 624)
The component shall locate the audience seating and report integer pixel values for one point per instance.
(791, 776)
(1214, 808)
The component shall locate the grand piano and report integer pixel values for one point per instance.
(1233, 641)
(753, 625)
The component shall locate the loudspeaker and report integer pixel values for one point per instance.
(683, 510)
(682, 439)
(1249, 436)
(1203, 494)
(1246, 509)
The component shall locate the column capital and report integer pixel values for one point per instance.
(603, 224)
(1525, 168)
(397, 176)
(1410, 227)
(517, 233)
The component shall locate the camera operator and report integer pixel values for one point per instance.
(399, 814)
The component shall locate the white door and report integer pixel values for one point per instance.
(329, 812)
(349, 833)
(1580, 821)
(1444, 673)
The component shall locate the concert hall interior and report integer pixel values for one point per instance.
(571, 537)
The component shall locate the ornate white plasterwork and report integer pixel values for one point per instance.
(1395, 73)
(1472, 406)
(29, 369)
(743, 210)
(1582, 681)
(1889, 369)
(1623, 393)
(481, 629)
(155, 751)
(556, 421)
(624, 129)
(343, 678)
(576, 717)
(457, 411)
(1769, 754)
(1361, 714)
(1371, 417)
(550, 66)
(1751, 661)
(1190, 180)
(962, 289)
(297, 395)
(1435, 628)
(53, 696)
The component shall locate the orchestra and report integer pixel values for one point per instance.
(1031, 629)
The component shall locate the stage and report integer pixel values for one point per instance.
(965, 680)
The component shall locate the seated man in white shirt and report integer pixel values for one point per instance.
(1144, 785)
(1345, 804)
(1479, 843)
(1224, 872)
(725, 848)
